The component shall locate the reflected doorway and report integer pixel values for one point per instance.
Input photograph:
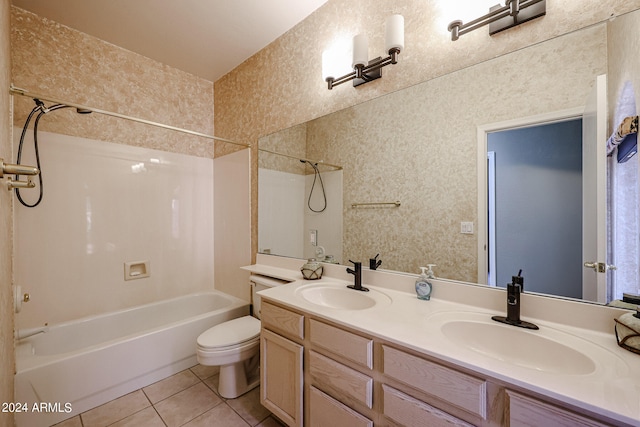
(534, 188)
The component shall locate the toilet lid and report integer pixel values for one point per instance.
(230, 333)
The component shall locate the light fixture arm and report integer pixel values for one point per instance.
(368, 72)
(512, 8)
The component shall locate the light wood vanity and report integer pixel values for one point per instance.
(389, 366)
(318, 373)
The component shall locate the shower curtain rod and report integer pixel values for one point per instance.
(300, 158)
(23, 92)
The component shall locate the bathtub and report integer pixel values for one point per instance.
(78, 365)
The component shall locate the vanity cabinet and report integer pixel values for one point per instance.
(281, 363)
(318, 373)
(315, 373)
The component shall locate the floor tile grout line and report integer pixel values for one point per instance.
(200, 380)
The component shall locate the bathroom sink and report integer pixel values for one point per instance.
(547, 350)
(338, 296)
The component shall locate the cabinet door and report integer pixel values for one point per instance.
(281, 377)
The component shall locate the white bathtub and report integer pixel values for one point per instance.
(82, 364)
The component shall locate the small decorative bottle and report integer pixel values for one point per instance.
(423, 284)
(312, 269)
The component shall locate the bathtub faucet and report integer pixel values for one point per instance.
(26, 333)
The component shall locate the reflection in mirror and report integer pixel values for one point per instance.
(300, 205)
(420, 146)
(534, 208)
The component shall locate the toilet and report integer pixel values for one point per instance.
(234, 346)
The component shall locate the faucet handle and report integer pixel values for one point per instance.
(374, 262)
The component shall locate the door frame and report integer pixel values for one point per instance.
(482, 136)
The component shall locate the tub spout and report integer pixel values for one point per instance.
(26, 333)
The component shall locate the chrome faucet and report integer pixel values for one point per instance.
(357, 276)
(514, 289)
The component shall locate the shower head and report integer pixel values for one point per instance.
(83, 111)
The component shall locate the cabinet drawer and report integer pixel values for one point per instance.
(342, 343)
(326, 411)
(527, 411)
(281, 320)
(462, 390)
(411, 412)
(340, 381)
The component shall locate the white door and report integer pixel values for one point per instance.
(594, 194)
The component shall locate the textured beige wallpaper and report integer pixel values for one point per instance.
(281, 86)
(292, 142)
(51, 59)
(419, 146)
(624, 45)
(6, 223)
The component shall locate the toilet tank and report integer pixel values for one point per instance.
(260, 283)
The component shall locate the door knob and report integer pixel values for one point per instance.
(600, 267)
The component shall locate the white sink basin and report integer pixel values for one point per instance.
(338, 296)
(546, 350)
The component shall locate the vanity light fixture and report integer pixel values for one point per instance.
(500, 18)
(365, 70)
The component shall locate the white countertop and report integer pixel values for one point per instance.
(612, 389)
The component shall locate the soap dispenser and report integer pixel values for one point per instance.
(423, 284)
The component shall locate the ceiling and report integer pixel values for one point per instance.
(207, 38)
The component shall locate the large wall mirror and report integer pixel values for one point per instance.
(403, 176)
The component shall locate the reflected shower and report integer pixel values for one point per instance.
(316, 175)
(41, 110)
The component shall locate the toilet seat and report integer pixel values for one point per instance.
(236, 333)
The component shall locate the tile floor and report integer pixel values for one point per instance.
(188, 398)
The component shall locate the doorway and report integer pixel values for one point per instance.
(534, 206)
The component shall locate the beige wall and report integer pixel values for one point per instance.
(6, 304)
(53, 60)
(281, 86)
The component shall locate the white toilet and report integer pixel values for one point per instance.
(235, 346)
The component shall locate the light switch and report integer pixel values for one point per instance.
(466, 227)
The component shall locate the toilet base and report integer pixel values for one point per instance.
(237, 379)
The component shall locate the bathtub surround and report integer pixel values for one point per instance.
(111, 204)
(232, 222)
(6, 224)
